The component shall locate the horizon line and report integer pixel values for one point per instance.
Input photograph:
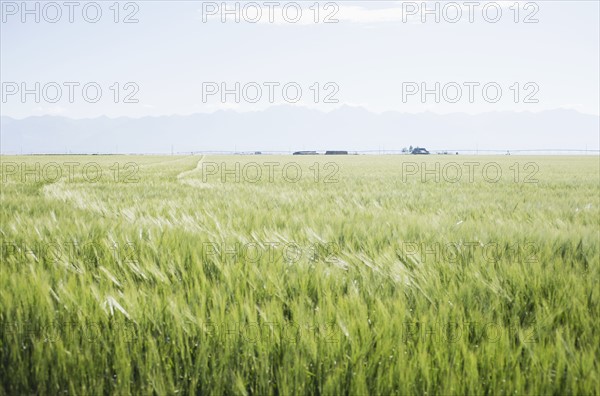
(449, 152)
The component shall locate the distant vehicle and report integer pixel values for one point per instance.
(419, 150)
(333, 152)
(305, 153)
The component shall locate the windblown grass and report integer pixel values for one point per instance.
(141, 290)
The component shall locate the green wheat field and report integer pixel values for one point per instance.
(283, 275)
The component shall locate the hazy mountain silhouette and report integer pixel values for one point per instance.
(283, 128)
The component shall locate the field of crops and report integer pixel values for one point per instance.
(300, 275)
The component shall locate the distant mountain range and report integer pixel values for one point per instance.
(290, 128)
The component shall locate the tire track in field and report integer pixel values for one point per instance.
(80, 197)
(83, 199)
(184, 178)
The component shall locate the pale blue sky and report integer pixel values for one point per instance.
(368, 54)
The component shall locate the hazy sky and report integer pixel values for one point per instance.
(368, 54)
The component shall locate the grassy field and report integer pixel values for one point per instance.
(329, 275)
